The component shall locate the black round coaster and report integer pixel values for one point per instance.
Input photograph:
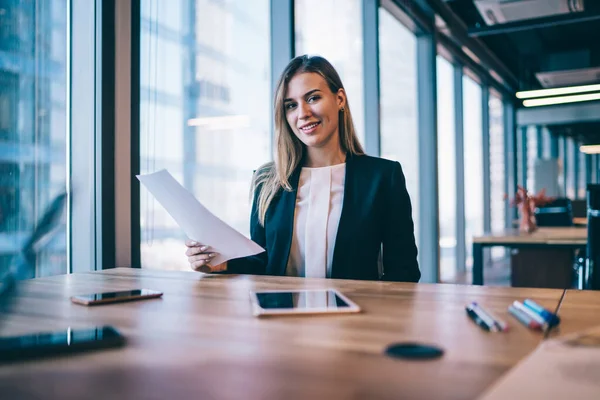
(415, 351)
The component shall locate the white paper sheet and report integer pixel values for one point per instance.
(197, 222)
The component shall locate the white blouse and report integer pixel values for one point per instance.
(316, 218)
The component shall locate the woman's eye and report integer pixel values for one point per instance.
(312, 99)
(289, 106)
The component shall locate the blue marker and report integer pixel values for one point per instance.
(549, 317)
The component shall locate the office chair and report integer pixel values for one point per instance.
(579, 208)
(556, 213)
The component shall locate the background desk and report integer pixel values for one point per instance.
(200, 340)
(565, 238)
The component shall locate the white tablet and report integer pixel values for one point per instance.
(293, 302)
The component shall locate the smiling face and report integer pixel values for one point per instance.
(312, 111)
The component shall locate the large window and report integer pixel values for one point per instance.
(204, 111)
(546, 143)
(333, 29)
(497, 170)
(497, 167)
(531, 157)
(473, 158)
(33, 64)
(446, 168)
(398, 82)
(561, 164)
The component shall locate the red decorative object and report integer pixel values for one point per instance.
(527, 203)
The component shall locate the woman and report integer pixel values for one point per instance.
(323, 208)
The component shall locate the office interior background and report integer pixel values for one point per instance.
(94, 92)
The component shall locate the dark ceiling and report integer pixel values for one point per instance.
(533, 49)
(583, 133)
(543, 44)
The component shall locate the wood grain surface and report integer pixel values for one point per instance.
(579, 311)
(562, 235)
(200, 341)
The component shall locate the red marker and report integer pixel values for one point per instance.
(524, 318)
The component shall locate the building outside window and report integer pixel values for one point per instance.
(497, 170)
(205, 111)
(333, 29)
(398, 102)
(33, 139)
(473, 159)
(446, 168)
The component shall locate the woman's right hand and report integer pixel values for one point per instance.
(199, 256)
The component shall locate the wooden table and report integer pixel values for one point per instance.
(566, 238)
(200, 341)
(580, 221)
(579, 310)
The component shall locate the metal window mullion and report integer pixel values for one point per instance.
(135, 95)
(428, 145)
(554, 146)
(510, 160)
(84, 127)
(565, 161)
(460, 169)
(524, 157)
(592, 163)
(588, 168)
(575, 170)
(282, 46)
(596, 169)
(485, 130)
(540, 142)
(370, 15)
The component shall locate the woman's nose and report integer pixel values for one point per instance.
(304, 111)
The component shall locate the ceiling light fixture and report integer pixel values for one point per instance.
(557, 91)
(590, 149)
(561, 100)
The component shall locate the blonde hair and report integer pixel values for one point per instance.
(275, 176)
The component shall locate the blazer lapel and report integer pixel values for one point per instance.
(288, 207)
(345, 218)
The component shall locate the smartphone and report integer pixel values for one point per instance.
(46, 344)
(115, 297)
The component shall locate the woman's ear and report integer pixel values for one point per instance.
(341, 98)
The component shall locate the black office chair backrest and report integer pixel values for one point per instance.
(579, 208)
(556, 213)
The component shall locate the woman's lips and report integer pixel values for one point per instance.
(310, 128)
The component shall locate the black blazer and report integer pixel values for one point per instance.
(376, 210)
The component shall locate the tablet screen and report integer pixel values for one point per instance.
(308, 299)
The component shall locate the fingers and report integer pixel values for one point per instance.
(199, 261)
(191, 243)
(196, 250)
(201, 257)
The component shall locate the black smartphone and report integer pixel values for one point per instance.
(46, 344)
(115, 297)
